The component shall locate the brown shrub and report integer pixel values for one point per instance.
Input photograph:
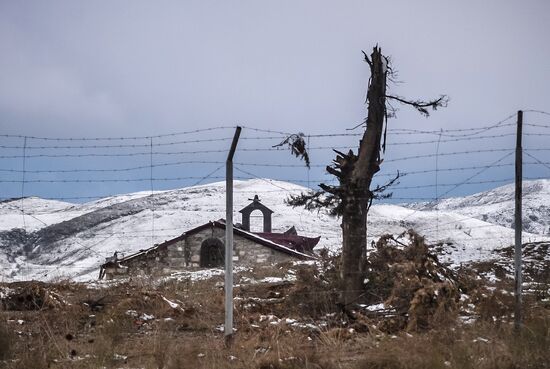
(432, 304)
(410, 279)
(315, 292)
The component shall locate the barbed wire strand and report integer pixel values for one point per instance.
(538, 161)
(121, 138)
(536, 111)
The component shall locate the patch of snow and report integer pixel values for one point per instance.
(468, 229)
(480, 339)
(172, 304)
(271, 280)
(375, 307)
(145, 317)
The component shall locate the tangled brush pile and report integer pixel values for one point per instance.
(408, 278)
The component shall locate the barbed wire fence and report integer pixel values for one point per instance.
(43, 178)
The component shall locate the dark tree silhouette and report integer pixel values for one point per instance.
(353, 196)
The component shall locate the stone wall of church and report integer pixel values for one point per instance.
(185, 255)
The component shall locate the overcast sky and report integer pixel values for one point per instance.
(139, 68)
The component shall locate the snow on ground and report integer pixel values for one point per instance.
(464, 238)
(496, 206)
(132, 222)
(33, 213)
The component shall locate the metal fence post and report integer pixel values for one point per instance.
(228, 327)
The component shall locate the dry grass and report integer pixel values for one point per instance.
(6, 342)
(478, 346)
(132, 325)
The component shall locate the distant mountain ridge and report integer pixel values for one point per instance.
(496, 206)
(54, 239)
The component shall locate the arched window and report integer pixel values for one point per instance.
(212, 253)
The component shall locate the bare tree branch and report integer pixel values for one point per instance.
(355, 127)
(367, 58)
(422, 105)
(384, 187)
(378, 192)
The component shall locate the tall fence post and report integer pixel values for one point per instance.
(518, 223)
(228, 327)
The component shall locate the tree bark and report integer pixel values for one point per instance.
(357, 181)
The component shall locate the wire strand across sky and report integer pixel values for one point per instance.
(120, 164)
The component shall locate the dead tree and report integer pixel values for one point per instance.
(352, 197)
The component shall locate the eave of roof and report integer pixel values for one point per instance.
(292, 241)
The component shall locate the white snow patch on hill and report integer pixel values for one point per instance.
(72, 240)
(497, 206)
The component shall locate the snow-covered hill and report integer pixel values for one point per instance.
(497, 206)
(52, 239)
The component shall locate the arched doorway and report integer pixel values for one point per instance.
(212, 253)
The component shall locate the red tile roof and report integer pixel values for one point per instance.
(294, 242)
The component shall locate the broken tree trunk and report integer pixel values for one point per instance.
(355, 182)
(352, 197)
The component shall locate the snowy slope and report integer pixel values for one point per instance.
(497, 206)
(463, 239)
(32, 213)
(88, 233)
(58, 239)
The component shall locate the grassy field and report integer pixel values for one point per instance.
(286, 316)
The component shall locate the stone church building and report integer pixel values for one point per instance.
(203, 247)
